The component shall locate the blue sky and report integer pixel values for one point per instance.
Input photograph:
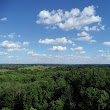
(55, 32)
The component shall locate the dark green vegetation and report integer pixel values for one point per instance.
(51, 87)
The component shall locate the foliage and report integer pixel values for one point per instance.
(54, 87)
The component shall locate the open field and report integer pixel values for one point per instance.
(38, 67)
(4, 70)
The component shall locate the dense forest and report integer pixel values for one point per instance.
(54, 87)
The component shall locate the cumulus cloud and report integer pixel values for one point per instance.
(13, 56)
(16, 49)
(12, 46)
(9, 44)
(47, 17)
(62, 40)
(82, 52)
(67, 20)
(58, 48)
(3, 19)
(94, 28)
(25, 43)
(106, 43)
(101, 51)
(11, 35)
(73, 44)
(3, 53)
(31, 52)
(84, 36)
(78, 50)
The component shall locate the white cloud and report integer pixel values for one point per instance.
(13, 46)
(73, 44)
(102, 27)
(51, 27)
(4, 19)
(67, 20)
(26, 43)
(92, 41)
(13, 56)
(3, 53)
(47, 17)
(34, 54)
(59, 59)
(30, 52)
(11, 35)
(88, 11)
(58, 48)
(82, 52)
(105, 56)
(77, 49)
(10, 56)
(94, 28)
(106, 43)
(101, 51)
(9, 44)
(62, 40)
(84, 36)
(17, 49)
